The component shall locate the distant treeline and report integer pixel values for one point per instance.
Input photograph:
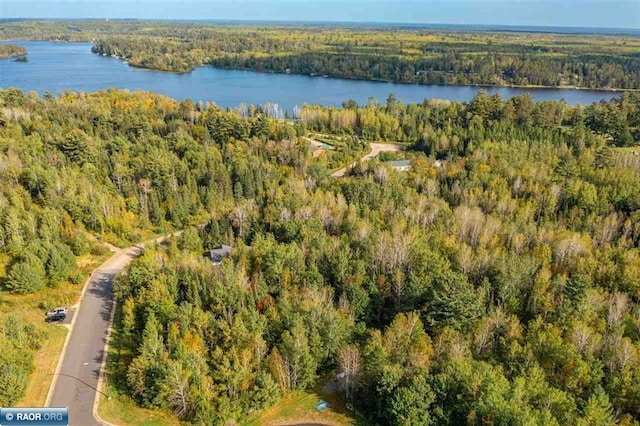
(401, 57)
(454, 68)
(617, 121)
(425, 56)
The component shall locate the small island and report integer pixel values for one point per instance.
(12, 51)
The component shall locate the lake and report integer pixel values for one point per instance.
(55, 67)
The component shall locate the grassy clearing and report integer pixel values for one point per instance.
(405, 144)
(299, 408)
(45, 363)
(121, 411)
(30, 309)
(345, 161)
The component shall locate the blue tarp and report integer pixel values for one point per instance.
(320, 406)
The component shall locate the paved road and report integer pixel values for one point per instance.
(77, 381)
(376, 148)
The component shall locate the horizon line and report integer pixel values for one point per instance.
(309, 21)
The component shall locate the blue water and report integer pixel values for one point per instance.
(55, 67)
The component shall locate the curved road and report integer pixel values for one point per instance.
(76, 383)
(376, 148)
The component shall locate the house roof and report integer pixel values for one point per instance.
(399, 163)
(320, 145)
(220, 252)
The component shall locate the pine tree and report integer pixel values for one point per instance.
(26, 277)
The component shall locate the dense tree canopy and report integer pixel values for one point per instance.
(496, 282)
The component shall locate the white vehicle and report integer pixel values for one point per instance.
(58, 310)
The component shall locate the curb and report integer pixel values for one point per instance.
(103, 365)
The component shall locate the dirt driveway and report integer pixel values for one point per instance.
(376, 148)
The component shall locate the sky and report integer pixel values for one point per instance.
(574, 13)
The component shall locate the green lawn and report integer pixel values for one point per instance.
(121, 411)
(299, 408)
(45, 363)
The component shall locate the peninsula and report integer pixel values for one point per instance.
(11, 51)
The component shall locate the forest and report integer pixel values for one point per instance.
(408, 55)
(497, 285)
(11, 51)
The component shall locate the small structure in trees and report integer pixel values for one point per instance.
(400, 165)
(219, 253)
(318, 148)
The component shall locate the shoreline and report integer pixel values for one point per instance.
(15, 46)
(377, 80)
(22, 55)
(484, 85)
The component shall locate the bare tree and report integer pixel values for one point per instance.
(178, 389)
(625, 353)
(242, 216)
(380, 174)
(350, 364)
(279, 369)
(617, 308)
(304, 213)
(607, 229)
(285, 215)
(145, 189)
(391, 252)
(584, 338)
(568, 247)
(470, 223)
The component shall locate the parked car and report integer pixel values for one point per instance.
(57, 317)
(58, 310)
